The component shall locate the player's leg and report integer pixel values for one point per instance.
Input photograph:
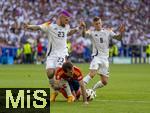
(76, 88)
(50, 70)
(50, 75)
(63, 92)
(59, 63)
(103, 71)
(65, 88)
(103, 82)
(93, 70)
(89, 76)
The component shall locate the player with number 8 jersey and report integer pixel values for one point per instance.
(100, 38)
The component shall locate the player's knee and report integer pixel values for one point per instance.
(50, 74)
(104, 82)
(92, 74)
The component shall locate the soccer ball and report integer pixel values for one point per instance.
(91, 94)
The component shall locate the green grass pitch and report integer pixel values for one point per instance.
(128, 90)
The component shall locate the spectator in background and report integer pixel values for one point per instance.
(27, 53)
(80, 51)
(39, 52)
(148, 53)
(0, 52)
(19, 55)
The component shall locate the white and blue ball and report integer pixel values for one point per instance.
(91, 94)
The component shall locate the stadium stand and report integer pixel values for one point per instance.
(14, 13)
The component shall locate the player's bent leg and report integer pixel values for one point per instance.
(50, 75)
(65, 85)
(103, 82)
(94, 66)
(70, 98)
(75, 88)
(104, 79)
(63, 92)
(91, 75)
(50, 67)
(78, 94)
(50, 72)
(103, 71)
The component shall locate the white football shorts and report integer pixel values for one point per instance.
(101, 64)
(55, 61)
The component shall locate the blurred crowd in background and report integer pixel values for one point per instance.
(14, 13)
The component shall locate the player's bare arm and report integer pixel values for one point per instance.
(121, 31)
(32, 27)
(72, 31)
(83, 90)
(83, 26)
(85, 32)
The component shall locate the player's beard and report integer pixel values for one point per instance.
(63, 25)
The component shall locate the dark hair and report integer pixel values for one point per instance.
(96, 19)
(67, 66)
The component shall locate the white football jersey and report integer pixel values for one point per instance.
(57, 36)
(100, 40)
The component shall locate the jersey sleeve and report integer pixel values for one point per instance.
(111, 34)
(78, 73)
(44, 27)
(68, 28)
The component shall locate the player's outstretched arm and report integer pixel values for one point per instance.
(121, 31)
(83, 90)
(32, 27)
(85, 33)
(72, 31)
(83, 26)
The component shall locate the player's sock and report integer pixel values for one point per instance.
(99, 84)
(86, 79)
(66, 87)
(68, 91)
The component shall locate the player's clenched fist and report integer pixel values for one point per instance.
(122, 28)
(82, 24)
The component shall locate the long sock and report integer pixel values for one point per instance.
(99, 84)
(86, 79)
(66, 87)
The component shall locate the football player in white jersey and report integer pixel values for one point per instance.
(100, 40)
(57, 47)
